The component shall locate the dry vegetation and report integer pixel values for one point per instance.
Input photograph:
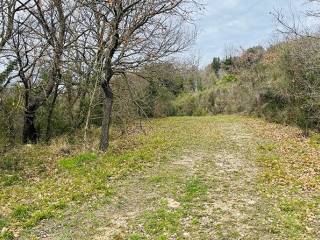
(65, 66)
(258, 179)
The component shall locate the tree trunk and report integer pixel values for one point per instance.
(50, 114)
(106, 116)
(11, 128)
(30, 134)
(87, 125)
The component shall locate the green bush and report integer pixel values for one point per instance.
(229, 78)
(280, 84)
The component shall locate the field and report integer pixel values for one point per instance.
(221, 177)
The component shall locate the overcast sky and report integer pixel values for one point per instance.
(237, 23)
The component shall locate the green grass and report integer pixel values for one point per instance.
(136, 237)
(10, 163)
(21, 212)
(7, 235)
(194, 188)
(57, 185)
(3, 222)
(77, 162)
(161, 222)
(39, 183)
(293, 207)
(38, 216)
(10, 180)
(315, 140)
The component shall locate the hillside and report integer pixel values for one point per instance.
(222, 177)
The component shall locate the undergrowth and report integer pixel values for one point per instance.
(43, 183)
(290, 181)
(54, 181)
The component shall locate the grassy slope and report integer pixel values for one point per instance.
(54, 187)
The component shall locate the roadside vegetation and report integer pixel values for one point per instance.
(163, 181)
(278, 83)
(103, 135)
(290, 180)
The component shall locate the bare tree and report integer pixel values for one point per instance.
(130, 33)
(92, 40)
(46, 28)
(28, 55)
(294, 23)
(7, 14)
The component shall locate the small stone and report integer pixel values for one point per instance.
(173, 204)
(309, 230)
(4, 230)
(186, 234)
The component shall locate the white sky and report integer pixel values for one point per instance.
(238, 23)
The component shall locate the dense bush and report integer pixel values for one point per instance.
(280, 84)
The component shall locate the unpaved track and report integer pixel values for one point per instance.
(230, 209)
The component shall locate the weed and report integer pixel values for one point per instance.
(3, 222)
(77, 161)
(292, 205)
(10, 163)
(157, 179)
(37, 217)
(7, 235)
(21, 212)
(162, 221)
(280, 179)
(194, 188)
(10, 180)
(266, 147)
(315, 140)
(136, 237)
(60, 205)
